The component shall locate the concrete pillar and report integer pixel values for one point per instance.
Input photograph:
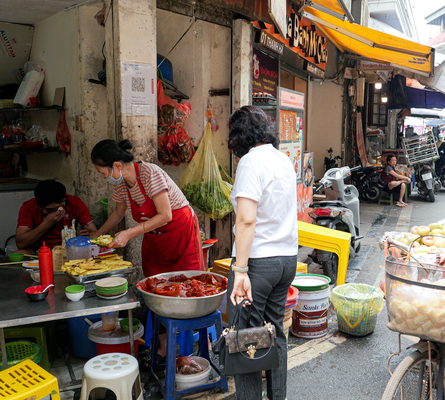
(131, 38)
(242, 53)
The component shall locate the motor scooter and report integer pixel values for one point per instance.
(369, 183)
(340, 211)
(428, 184)
(331, 162)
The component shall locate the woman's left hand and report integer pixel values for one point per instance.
(241, 288)
(120, 240)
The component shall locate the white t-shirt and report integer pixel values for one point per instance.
(267, 176)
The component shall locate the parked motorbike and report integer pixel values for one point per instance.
(428, 185)
(340, 211)
(331, 162)
(368, 183)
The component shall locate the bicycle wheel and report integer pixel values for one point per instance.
(410, 380)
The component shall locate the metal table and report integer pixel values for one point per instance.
(16, 309)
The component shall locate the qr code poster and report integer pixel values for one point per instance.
(138, 89)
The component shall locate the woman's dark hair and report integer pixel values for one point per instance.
(248, 127)
(107, 152)
(388, 159)
(49, 192)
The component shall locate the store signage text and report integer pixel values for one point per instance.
(291, 99)
(271, 43)
(265, 73)
(7, 44)
(307, 39)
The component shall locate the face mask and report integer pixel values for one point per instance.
(113, 180)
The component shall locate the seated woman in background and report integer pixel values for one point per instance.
(394, 182)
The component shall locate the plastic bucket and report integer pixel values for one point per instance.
(80, 345)
(199, 379)
(115, 341)
(310, 316)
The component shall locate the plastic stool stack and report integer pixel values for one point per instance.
(26, 381)
(173, 326)
(117, 372)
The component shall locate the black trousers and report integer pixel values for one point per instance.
(270, 279)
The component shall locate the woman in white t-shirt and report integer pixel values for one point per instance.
(264, 198)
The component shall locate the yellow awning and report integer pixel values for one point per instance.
(372, 44)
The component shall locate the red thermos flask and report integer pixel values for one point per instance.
(46, 265)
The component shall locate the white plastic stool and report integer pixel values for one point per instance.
(118, 372)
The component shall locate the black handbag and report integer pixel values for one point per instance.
(247, 350)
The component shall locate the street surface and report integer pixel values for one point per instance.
(339, 366)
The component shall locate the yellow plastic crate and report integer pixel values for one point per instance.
(301, 268)
(28, 380)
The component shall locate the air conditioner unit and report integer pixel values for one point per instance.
(360, 92)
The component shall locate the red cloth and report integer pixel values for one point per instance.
(175, 246)
(386, 178)
(31, 216)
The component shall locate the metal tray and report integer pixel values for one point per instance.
(95, 277)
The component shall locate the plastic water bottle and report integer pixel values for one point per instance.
(46, 266)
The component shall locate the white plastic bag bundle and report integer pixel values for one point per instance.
(31, 83)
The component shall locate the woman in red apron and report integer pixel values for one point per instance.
(172, 240)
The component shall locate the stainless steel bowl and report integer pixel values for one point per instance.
(183, 307)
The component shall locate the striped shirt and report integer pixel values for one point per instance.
(154, 180)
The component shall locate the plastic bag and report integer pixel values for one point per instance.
(187, 366)
(169, 111)
(353, 301)
(185, 148)
(34, 134)
(163, 154)
(205, 183)
(63, 135)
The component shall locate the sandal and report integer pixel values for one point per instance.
(399, 204)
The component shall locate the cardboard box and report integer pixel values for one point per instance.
(15, 47)
(59, 258)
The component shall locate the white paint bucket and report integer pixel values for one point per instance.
(310, 315)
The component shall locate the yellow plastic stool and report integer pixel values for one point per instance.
(27, 379)
(319, 237)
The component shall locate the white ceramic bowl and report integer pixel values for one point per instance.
(75, 296)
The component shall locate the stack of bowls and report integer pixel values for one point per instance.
(111, 288)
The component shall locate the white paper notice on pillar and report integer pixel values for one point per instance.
(138, 89)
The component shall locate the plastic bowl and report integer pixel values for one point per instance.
(75, 292)
(199, 379)
(16, 257)
(36, 296)
(124, 325)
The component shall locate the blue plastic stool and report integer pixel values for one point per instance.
(173, 326)
(186, 339)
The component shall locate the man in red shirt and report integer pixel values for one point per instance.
(42, 218)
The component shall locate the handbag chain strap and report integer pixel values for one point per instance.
(236, 323)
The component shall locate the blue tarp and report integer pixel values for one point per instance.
(423, 98)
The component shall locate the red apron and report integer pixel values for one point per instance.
(175, 246)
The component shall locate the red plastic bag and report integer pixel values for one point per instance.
(163, 154)
(169, 111)
(185, 147)
(63, 135)
(172, 147)
(187, 366)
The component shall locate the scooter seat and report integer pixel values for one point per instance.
(329, 203)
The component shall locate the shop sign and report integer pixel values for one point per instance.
(269, 42)
(303, 38)
(374, 66)
(307, 40)
(313, 69)
(265, 73)
(291, 99)
(277, 11)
